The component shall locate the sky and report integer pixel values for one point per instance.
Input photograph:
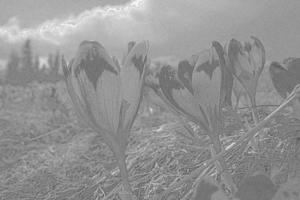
(177, 28)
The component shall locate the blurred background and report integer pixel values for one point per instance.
(173, 27)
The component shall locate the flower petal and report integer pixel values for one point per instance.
(185, 73)
(97, 78)
(78, 103)
(227, 76)
(258, 54)
(178, 96)
(247, 62)
(239, 60)
(282, 81)
(206, 81)
(193, 59)
(132, 78)
(294, 68)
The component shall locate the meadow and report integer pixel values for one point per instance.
(46, 153)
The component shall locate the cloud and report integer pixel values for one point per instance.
(172, 26)
(55, 30)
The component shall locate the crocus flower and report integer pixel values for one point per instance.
(285, 79)
(247, 62)
(106, 95)
(195, 89)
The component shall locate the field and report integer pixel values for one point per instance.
(47, 154)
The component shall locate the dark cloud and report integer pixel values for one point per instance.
(34, 12)
(173, 27)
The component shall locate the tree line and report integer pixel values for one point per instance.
(25, 67)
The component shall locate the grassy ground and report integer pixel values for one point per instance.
(47, 155)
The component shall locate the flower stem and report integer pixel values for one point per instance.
(124, 175)
(254, 140)
(254, 109)
(127, 194)
(227, 176)
(119, 152)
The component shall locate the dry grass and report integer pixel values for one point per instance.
(47, 155)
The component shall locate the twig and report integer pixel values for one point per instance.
(263, 105)
(49, 132)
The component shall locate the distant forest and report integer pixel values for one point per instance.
(24, 67)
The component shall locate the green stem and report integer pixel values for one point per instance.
(124, 174)
(237, 102)
(218, 148)
(254, 109)
(119, 152)
(254, 140)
